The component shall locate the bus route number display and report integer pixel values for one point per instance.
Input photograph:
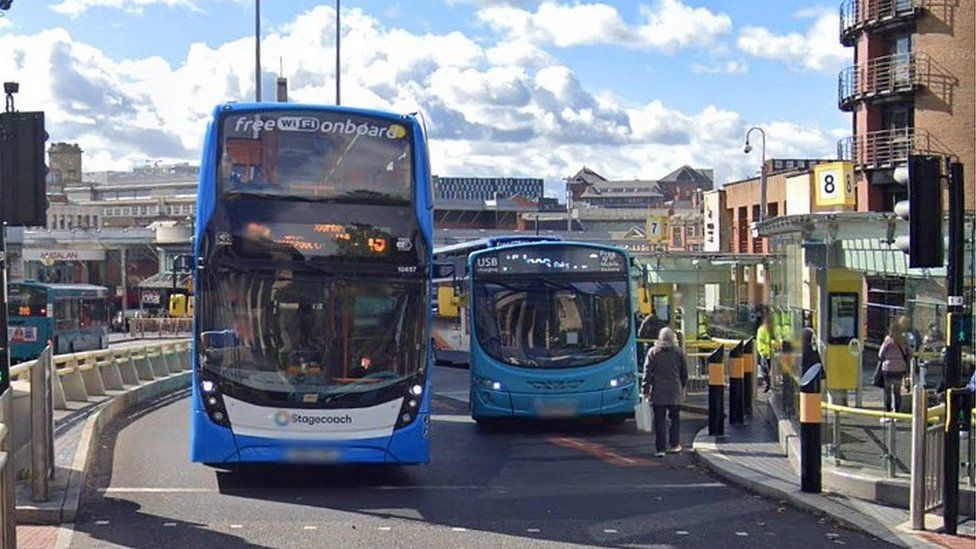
(550, 259)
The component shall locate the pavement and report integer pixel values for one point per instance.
(529, 485)
(750, 455)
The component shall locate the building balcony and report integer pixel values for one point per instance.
(886, 149)
(891, 77)
(857, 16)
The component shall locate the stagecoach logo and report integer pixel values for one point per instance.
(312, 124)
(284, 418)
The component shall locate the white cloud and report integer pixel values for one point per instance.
(667, 26)
(491, 111)
(817, 49)
(74, 8)
(728, 67)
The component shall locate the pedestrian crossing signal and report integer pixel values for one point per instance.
(960, 328)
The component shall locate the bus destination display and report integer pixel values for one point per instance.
(550, 259)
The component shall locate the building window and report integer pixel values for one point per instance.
(676, 236)
(772, 209)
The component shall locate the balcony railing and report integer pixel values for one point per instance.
(886, 148)
(881, 77)
(857, 15)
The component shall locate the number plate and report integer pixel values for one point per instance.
(311, 455)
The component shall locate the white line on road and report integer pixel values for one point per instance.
(435, 487)
(310, 528)
(459, 529)
(384, 528)
(101, 522)
(169, 524)
(451, 418)
(236, 526)
(533, 530)
(609, 531)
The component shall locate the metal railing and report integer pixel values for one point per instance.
(881, 77)
(885, 148)
(856, 15)
(144, 327)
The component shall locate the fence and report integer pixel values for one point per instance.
(141, 328)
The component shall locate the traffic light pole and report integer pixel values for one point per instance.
(954, 274)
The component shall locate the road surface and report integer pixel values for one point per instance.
(524, 487)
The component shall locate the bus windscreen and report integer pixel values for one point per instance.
(316, 155)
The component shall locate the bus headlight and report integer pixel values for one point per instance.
(486, 383)
(621, 380)
(213, 403)
(409, 410)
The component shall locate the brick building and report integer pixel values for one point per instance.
(910, 90)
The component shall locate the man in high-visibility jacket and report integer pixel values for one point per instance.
(764, 348)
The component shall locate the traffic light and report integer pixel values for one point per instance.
(923, 210)
(23, 174)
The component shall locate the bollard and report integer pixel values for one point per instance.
(810, 416)
(736, 411)
(786, 376)
(748, 376)
(41, 424)
(889, 455)
(716, 393)
(916, 504)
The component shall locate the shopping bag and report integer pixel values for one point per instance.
(642, 413)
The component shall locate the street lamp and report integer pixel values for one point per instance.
(257, 51)
(762, 172)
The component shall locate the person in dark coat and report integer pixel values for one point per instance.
(665, 379)
(810, 355)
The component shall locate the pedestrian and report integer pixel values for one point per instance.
(894, 355)
(665, 379)
(764, 348)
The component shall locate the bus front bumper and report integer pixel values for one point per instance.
(615, 401)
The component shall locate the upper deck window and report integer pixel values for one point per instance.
(316, 155)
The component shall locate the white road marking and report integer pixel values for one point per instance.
(101, 522)
(385, 528)
(154, 490)
(742, 534)
(169, 524)
(459, 529)
(449, 418)
(441, 487)
(236, 526)
(310, 528)
(682, 532)
(609, 531)
(533, 530)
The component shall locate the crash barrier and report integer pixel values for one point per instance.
(140, 328)
(80, 376)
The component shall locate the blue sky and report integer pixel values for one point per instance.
(630, 87)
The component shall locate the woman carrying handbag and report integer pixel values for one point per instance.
(894, 357)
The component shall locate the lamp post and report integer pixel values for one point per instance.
(762, 171)
(257, 51)
(338, 40)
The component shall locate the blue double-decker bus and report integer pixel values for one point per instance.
(552, 333)
(312, 279)
(71, 317)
